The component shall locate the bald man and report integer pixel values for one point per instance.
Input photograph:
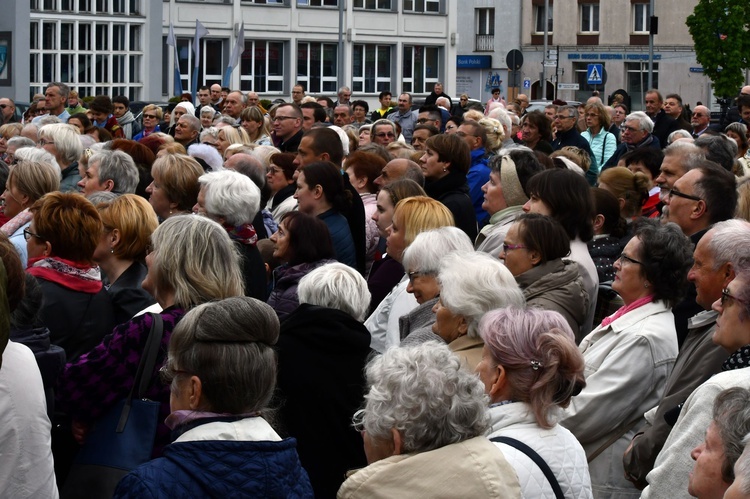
(700, 120)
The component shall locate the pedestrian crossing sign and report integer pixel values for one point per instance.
(594, 74)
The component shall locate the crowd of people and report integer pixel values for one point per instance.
(322, 300)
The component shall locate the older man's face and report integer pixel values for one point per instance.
(342, 115)
(233, 105)
(215, 93)
(653, 104)
(252, 99)
(7, 109)
(183, 131)
(683, 201)
(404, 103)
(631, 132)
(701, 118)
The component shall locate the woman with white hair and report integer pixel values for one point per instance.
(471, 284)
(62, 141)
(423, 426)
(233, 200)
(421, 261)
(35, 174)
(323, 348)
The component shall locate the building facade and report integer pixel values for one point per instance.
(120, 46)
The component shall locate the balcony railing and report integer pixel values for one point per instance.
(485, 43)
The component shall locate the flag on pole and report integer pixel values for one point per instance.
(234, 60)
(200, 32)
(172, 42)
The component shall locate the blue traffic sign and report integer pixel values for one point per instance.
(594, 74)
(526, 83)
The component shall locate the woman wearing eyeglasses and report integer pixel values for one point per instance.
(629, 356)
(151, 117)
(533, 251)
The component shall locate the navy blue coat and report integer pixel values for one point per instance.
(221, 469)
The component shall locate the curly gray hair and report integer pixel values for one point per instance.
(424, 394)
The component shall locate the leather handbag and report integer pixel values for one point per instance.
(123, 438)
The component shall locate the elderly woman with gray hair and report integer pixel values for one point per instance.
(221, 373)
(423, 426)
(64, 143)
(504, 196)
(233, 200)
(323, 349)
(421, 261)
(471, 284)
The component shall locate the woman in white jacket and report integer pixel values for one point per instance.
(531, 368)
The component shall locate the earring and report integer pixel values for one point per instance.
(645, 285)
(112, 250)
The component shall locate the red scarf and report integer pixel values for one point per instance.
(75, 276)
(244, 233)
(627, 308)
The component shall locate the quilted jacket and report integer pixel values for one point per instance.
(557, 446)
(224, 460)
(286, 278)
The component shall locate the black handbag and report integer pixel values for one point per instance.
(124, 438)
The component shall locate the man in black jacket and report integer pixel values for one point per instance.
(567, 134)
(663, 123)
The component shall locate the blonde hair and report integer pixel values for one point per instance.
(178, 176)
(156, 109)
(32, 175)
(194, 258)
(134, 219)
(420, 213)
(628, 186)
(574, 154)
(495, 133)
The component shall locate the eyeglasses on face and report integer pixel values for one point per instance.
(149, 116)
(626, 258)
(511, 247)
(416, 273)
(27, 234)
(727, 299)
(279, 119)
(562, 117)
(628, 129)
(44, 142)
(675, 192)
(383, 135)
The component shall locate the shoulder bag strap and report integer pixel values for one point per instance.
(532, 454)
(619, 432)
(145, 368)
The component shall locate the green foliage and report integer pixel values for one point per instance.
(721, 34)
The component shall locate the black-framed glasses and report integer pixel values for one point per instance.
(414, 274)
(27, 234)
(150, 116)
(675, 192)
(44, 142)
(561, 117)
(279, 119)
(727, 299)
(626, 258)
(463, 134)
(422, 121)
(167, 374)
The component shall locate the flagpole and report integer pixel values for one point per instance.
(177, 77)
(200, 32)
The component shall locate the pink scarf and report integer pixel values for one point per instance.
(15, 223)
(627, 308)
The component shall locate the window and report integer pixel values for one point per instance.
(262, 66)
(637, 82)
(317, 3)
(589, 18)
(268, 2)
(430, 6)
(371, 68)
(485, 30)
(421, 69)
(640, 18)
(317, 66)
(210, 67)
(373, 4)
(539, 19)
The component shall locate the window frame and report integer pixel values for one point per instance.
(643, 18)
(594, 19)
(408, 83)
(308, 79)
(413, 7)
(539, 13)
(362, 5)
(379, 83)
(264, 76)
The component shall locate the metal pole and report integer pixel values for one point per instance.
(543, 83)
(650, 46)
(340, 71)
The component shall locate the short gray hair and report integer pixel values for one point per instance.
(36, 173)
(502, 116)
(719, 149)
(472, 284)
(384, 122)
(230, 195)
(644, 122)
(249, 165)
(66, 139)
(678, 134)
(227, 120)
(194, 122)
(689, 154)
(208, 111)
(20, 142)
(212, 132)
(573, 110)
(425, 394)
(118, 167)
(194, 258)
(228, 345)
(730, 242)
(731, 415)
(337, 286)
(64, 89)
(429, 247)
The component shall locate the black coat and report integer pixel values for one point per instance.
(663, 126)
(127, 295)
(253, 271)
(453, 192)
(322, 353)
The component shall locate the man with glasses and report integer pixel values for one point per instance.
(567, 134)
(7, 111)
(700, 120)
(430, 115)
(404, 116)
(635, 133)
(699, 358)
(298, 93)
(287, 127)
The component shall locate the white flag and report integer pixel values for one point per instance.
(200, 32)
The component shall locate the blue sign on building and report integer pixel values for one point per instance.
(594, 74)
(474, 61)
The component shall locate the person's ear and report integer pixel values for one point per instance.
(108, 185)
(535, 258)
(598, 222)
(700, 210)
(195, 392)
(498, 384)
(463, 326)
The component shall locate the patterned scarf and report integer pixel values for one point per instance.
(68, 274)
(244, 233)
(738, 360)
(627, 308)
(15, 223)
